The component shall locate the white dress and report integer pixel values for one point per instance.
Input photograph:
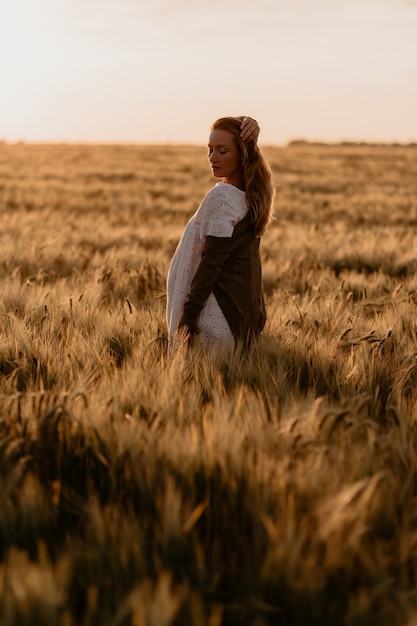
(222, 208)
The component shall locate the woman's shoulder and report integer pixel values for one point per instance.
(223, 207)
(225, 199)
(227, 191)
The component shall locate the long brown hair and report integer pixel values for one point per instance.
(257, 176)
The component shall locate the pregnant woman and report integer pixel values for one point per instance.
(214, 284)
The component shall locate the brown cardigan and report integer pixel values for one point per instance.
(230, 267)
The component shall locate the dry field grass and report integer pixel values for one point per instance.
(276, 488)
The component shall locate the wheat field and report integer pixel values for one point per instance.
(270, 488)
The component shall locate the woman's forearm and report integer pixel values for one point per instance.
(212, 260)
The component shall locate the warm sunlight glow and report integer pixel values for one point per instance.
(136, 71)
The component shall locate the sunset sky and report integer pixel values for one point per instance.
(162, 70)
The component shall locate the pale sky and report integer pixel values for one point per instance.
(152, 71)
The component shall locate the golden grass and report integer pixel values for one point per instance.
(270, 488)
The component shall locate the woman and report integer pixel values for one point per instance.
(214, 285)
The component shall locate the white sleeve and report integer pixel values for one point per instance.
(219, 214)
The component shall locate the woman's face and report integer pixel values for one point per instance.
(224, 157)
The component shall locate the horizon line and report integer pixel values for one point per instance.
(159, 143)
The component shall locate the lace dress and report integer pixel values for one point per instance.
(222, 208)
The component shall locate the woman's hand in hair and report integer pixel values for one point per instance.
(249, 129)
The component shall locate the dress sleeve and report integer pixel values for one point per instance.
(219, 214)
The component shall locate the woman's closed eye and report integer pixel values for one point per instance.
(220, 151)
